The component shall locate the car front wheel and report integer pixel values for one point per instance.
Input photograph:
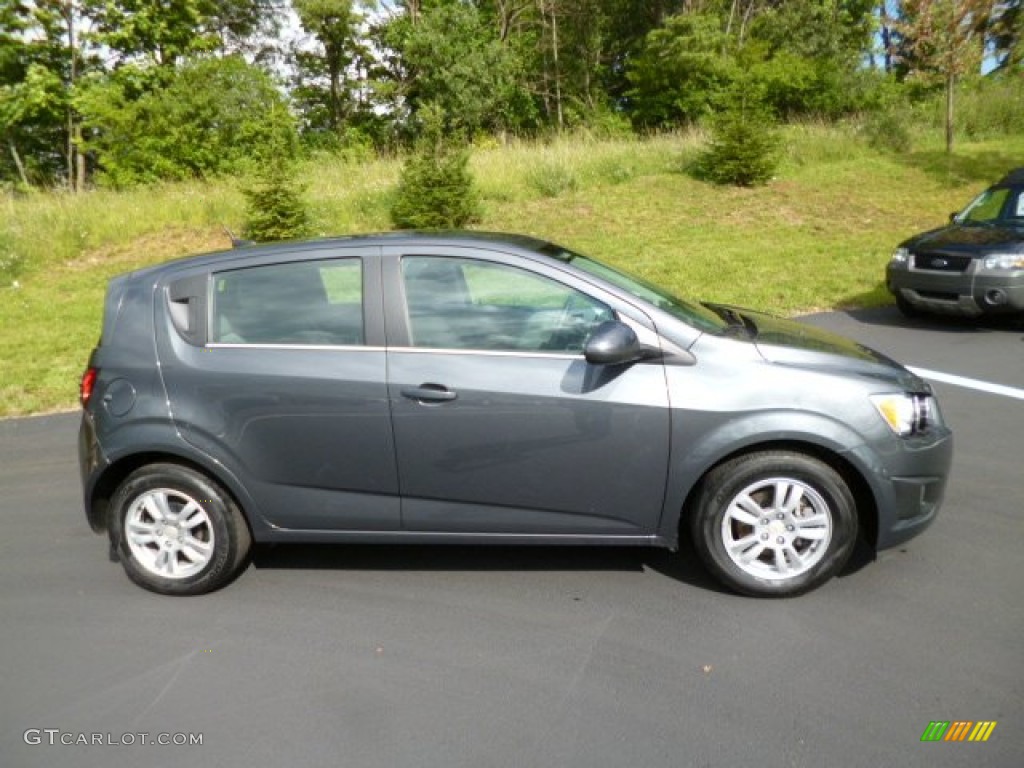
(775, 523)
(176, 531)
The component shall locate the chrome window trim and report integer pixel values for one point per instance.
(304, 347)
(413, 350)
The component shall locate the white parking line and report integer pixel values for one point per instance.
(963, 381)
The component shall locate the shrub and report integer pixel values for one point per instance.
(436, 189)
(887, 131)
(552, 179)
(275, 209)
(744, 145)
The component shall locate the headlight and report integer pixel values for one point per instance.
(1005, 261)
(906, 414)
(901, 256)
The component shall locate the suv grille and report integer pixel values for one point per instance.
(940, 262)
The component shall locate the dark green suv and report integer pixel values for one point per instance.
(973, 266)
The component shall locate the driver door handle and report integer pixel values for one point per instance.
(429, 393)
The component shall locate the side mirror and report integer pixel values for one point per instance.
(613, 343)
(952, 217)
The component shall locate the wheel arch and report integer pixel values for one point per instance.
(117, 471)
(852, 475)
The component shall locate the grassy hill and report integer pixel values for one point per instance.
(817, 237)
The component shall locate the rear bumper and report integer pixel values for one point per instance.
(91, 463)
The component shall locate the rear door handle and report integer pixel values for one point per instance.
(429, 393)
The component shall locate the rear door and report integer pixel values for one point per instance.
(500, 424)
(277, 369)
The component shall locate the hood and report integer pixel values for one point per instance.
(970, 238)
(786, 342)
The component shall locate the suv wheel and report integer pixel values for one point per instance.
(176, 531)
(776, 523)
(907, 309)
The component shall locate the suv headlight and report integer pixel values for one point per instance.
(901, 256)
(906, 414)
(1005, 261)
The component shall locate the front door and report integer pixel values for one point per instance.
(501, 426)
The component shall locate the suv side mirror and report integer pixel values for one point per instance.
(613, 343)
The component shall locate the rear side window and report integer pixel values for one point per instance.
(307, 302)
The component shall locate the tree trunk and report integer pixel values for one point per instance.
(558, 75)
(886, 37)
(76, 163)
(950, 87)
(18, 164)
(79, 160)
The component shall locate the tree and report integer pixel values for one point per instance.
(944, 41)
(1006, 32)
(436, 188)
(744, 144)
(450, 56)
(335, 24)
(275, 209)
(214, 116)
(40, 61)
(681, 73)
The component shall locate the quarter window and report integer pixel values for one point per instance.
(468, 304)
(308, 302)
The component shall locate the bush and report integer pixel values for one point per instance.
(210, 117)
(887, 131)
(744, 145)
(990, 107)
(275, 209)
(436, 189)
(552, 179)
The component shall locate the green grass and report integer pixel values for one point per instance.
(817, 237)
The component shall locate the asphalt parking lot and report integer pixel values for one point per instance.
(455, 657)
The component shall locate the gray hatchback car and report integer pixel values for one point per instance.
(488, 389)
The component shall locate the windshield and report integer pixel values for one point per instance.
(1004, 205)
(695, 315)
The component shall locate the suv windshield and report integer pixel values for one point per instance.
(1002, 205)
(695, 315)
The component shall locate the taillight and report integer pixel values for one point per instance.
(86, 385)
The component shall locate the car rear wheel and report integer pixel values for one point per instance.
(774, 524)
(176, 531)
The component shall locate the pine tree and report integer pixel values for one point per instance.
(275, 209)
(744, 144)
(436, 189)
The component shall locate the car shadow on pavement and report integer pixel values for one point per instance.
(683, 566)
(891, 317)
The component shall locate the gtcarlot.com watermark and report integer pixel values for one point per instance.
(55, 736)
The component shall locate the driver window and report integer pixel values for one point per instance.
(469, 304)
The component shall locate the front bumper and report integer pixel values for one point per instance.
(909, 484)
(971, 293)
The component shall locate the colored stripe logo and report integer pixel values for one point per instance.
(958, 730)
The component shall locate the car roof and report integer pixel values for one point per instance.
(1012, 178)
(403, 237)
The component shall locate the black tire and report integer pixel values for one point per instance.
(191, 560)
(816, 492)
